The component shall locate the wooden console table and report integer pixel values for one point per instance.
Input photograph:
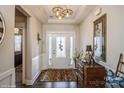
(90, 75)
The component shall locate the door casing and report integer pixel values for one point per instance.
(47, 46)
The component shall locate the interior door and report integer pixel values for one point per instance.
(61, 50)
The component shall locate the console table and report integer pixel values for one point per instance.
(90, 75)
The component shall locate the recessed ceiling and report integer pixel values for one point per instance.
(50, 14)
(45, 15)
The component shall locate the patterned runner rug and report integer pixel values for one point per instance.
(58, 75)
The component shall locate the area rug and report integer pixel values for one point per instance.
(58, 75)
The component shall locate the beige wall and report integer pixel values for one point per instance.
(35, 46)
(7, 71)
(57, 28)
(33, 63)
(7, 46)
(115, 32)
(35, 28)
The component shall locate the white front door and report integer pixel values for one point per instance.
(61, 48)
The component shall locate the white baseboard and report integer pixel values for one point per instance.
(7, 78)
(35, 77)
(31, 82)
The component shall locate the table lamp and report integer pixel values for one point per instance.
(88, 53)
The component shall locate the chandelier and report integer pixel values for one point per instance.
(60, 12)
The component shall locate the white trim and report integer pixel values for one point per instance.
(59, 32)
(31, 82)
(9, 73)
(35, 77)
(35, 58)
(38, 73)
(23, 54)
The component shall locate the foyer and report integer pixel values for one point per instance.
(61, 46)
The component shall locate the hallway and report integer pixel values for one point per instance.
(50, 37)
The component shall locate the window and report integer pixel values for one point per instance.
(18, 46)
(18, 40)
(60, 47)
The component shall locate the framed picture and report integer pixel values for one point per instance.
(99, 39)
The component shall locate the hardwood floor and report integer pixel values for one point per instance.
(46, 84)
(18, 74)
(54, 85)
(43, 84)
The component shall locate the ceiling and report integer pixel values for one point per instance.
(50, 14)
(45, 15)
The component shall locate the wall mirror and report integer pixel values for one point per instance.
(99, 39)
(2, 28)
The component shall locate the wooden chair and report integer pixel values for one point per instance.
(115, 79)
(120, 66)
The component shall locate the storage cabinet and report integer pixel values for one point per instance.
(90, 75)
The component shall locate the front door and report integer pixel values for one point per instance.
(61, 46)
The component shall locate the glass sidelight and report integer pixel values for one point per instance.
(71, 50)
(50, 50)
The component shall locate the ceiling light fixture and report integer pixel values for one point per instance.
(68, 12)
(60, 13)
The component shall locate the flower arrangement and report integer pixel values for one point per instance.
(77, 55)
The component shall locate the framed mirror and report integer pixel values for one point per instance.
(99, 39)
(2, 28)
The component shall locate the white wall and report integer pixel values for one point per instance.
(115, 32)
(7, 71)
(57, 28)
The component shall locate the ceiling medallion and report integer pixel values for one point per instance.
(60, 12)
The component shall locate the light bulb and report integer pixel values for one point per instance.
(67, 15)
(16, 30)
(60, 17)
(57, 13)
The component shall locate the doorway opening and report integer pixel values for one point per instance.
(60, 49)
(20, 45)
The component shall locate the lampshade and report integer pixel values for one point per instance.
(88, 48)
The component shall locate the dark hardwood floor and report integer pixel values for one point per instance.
(42, 84)
(54, 85)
